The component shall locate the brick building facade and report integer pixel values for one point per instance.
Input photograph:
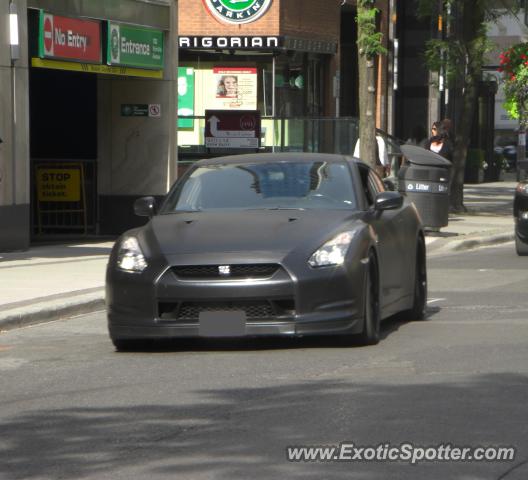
(304, 63)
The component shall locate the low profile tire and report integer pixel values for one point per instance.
(372, 320)
(520, 247)
(419, 307)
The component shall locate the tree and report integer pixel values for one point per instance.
(369, 46)
(461, 56)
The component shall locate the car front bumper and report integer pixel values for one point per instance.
(325, 301)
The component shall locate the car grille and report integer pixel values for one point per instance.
(189, 312)
(205, 272)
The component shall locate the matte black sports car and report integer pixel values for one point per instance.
(520, 213)
(268, 244)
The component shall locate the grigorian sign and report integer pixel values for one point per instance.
(238, 43)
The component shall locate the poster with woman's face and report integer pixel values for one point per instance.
(234, 89)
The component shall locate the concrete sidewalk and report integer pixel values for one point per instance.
(49, 282)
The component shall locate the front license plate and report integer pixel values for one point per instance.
(222, 324)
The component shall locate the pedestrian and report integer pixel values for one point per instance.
(439, 141)
(383, 166)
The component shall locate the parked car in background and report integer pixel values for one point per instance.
(268, 245)
(520, 213)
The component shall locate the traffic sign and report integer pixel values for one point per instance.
(155, 110)
(232, 129)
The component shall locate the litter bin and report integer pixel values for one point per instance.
(425, 181)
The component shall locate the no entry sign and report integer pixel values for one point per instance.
(69, 38)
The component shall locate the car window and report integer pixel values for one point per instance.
(302, 184)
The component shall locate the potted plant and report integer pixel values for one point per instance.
(498, 164)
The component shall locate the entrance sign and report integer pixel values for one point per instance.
(232, 129)
(237, 11)
(58, 184)
(69, 38)
(133, 46)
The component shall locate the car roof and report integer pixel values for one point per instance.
(277, 157)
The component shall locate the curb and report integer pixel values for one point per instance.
(470, 243)
(69, 306)
(50, 310)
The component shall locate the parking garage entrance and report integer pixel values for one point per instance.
(63, 151)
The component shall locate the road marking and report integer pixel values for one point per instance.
(434, 300)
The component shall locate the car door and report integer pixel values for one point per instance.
(389, 228)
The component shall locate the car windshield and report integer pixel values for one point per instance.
(277, 185)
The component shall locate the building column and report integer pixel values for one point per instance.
(172, 77)
(14, 130)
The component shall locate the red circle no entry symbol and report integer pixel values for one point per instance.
(48, 34)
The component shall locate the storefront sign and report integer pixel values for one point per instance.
(237, 11)
(58, 184)
(225, 129)
(185, 97)
(230, 43)
(232, 88)
(258, 43)
(134, 46)
(69, 38)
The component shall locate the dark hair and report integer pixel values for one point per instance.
(441, 133)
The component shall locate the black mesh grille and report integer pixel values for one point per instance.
(189, 312)
(235, 271)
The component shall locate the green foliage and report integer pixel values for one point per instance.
(460, 53)
(369, 39)
(514, 67)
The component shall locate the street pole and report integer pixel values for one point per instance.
(521, 151)
(15, 55)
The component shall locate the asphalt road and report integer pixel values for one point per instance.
(72, 408)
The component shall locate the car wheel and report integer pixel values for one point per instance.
(520, 247)
(417, 311)
(371, 326)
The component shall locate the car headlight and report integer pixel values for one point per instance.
(333, 252)
(522, 188)
(130, 258)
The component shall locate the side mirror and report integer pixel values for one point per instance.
(145, 207)
(388, 201)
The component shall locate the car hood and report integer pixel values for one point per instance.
(265, 233)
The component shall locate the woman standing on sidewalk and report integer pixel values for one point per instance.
(439, 141)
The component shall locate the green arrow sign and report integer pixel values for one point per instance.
(134, 46)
